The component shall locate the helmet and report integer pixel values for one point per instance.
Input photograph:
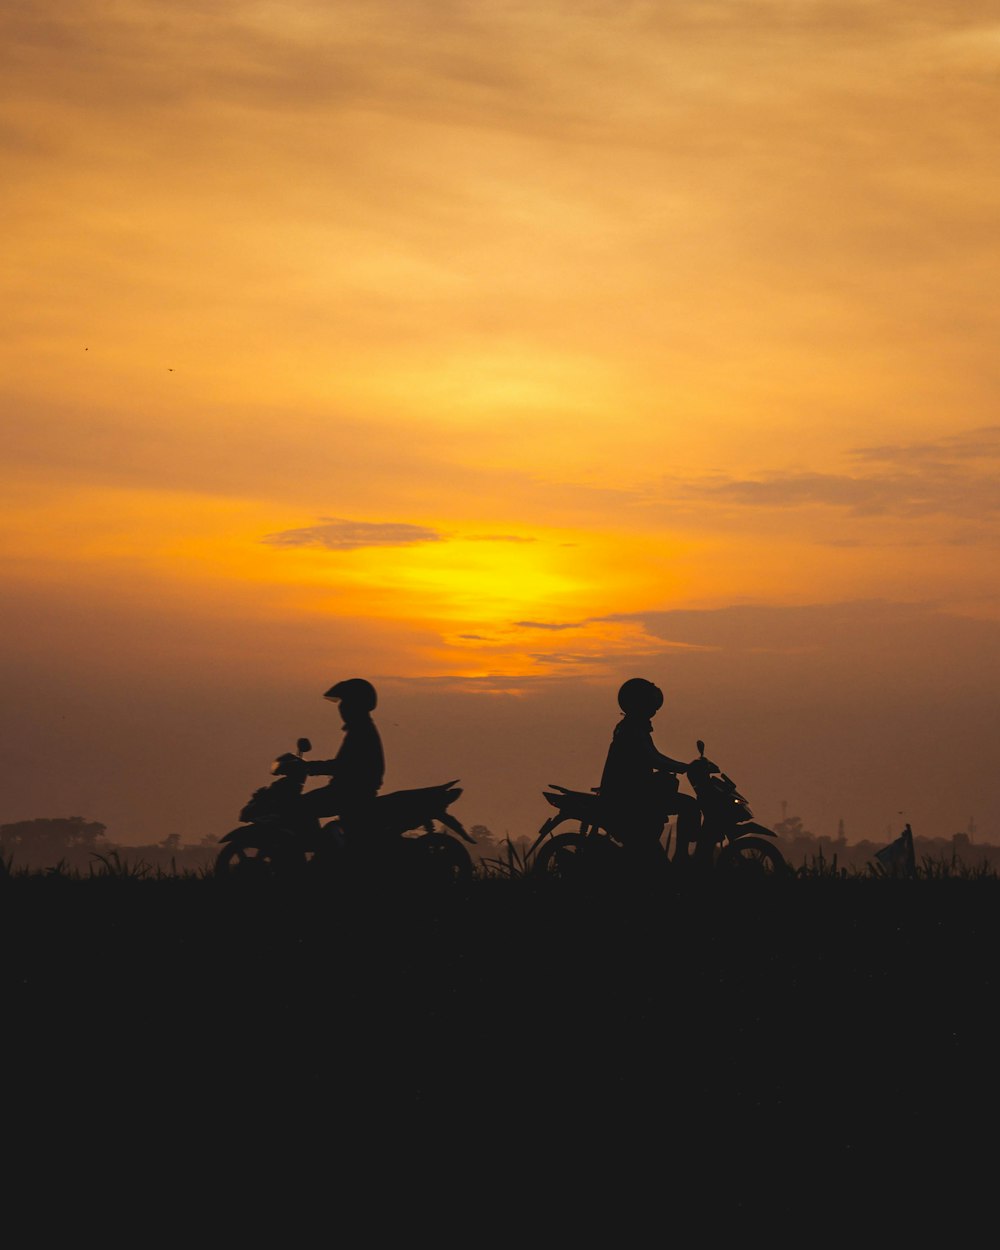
(640, 696)
(355, 692)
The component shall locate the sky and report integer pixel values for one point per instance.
(499, 352)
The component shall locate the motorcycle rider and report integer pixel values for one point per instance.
(357, 770)
(639, 786)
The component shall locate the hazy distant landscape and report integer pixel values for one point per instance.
(80, 846)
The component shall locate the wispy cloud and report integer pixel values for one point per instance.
(954, 476)
(977, 444)
(340, 534)
(548, 624)
(782, 490)
(568, 659)
(744, 628)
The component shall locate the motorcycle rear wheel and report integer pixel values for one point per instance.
(442, 858)
(560, 857)
(751, 857)
(571, 856)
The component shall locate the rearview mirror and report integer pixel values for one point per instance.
(304, 744)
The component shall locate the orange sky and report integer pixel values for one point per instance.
(497, 352)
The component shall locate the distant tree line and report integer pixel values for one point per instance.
(799, 847)
(76, 843)
(804, 849)
(72, 842)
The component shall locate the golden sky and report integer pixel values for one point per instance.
(506, 348)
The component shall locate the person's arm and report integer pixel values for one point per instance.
(320, 768)
(666, 765)
(663, 763)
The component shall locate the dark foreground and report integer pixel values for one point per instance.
(766, 1052)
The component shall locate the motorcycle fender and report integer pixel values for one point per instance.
(543, 833)
(751, 826)
(456, 827)
(257, 834)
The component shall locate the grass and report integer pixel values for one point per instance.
(511, 864)
(927, 869)
(834, 1020)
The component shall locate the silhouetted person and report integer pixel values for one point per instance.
(639, 787)
(356, 771)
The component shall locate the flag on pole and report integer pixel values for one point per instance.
(898, 859)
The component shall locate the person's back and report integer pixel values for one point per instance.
(629, 769)
(359, 765)
(357, 770)
(639, 787)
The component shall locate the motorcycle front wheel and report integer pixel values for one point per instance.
(751, 857)
(250, 859)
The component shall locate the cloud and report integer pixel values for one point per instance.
(340, 534)
(954, 476)
(781, 490)
(874, 626)
(568, 659)
(978, 444)
(548, 624)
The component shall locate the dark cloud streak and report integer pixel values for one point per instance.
(869, 625)
(341, 534)
(955, 476)
(548, 624)
(978, 444)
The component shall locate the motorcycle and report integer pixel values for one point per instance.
(595, 849)
(741, 844)
(278, 840)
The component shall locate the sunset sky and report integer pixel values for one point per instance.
(498, 352)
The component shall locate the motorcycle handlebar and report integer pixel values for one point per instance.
(288, 764)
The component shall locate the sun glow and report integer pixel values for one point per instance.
(461, 583)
